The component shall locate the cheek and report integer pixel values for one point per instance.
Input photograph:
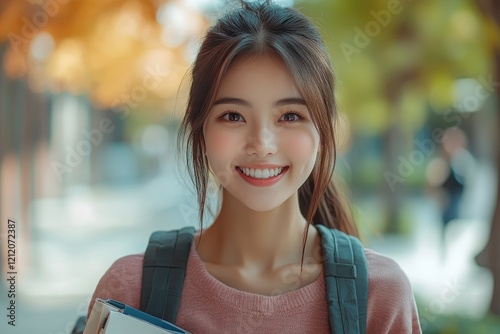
(303, 148)
(217, 141)
(221, 148)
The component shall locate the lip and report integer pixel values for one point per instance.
(263, 182)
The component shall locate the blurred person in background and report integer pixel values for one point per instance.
(448, 174)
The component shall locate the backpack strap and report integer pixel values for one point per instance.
(164, 269)
(346, 280)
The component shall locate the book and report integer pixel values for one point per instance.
(109, 316)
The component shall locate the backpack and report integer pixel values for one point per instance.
(344, 266)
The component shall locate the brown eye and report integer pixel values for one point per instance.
(231, 117)
(292, 117)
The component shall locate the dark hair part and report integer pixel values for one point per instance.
(268, 29)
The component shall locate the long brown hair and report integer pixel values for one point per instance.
(266, 28)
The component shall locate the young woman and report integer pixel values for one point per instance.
(260, 122)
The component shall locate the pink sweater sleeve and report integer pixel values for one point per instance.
(122, 282)
(391, 305)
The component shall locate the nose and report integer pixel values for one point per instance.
(261, 142)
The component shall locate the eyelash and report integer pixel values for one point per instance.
(299, 115)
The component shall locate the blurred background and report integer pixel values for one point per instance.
(92, 93)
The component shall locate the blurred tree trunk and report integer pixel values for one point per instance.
(393, 137)
(489, 255)
(392, 149)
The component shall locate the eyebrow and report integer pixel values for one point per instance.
(241, 102)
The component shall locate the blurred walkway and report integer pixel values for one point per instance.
(76, 239)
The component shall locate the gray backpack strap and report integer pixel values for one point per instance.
(346, 280)
(164, 269)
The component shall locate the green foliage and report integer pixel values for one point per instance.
(393, 57)
(462, 325)
(397, 64)
(437, 323)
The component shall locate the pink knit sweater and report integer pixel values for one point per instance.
(209, 306)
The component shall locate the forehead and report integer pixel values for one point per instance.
(259, 77)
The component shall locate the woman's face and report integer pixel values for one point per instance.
(260, 119)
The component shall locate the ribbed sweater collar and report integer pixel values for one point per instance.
(247, 302)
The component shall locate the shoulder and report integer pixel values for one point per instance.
(129, 265)
(122, 281)
(391, 304)
(385, 271)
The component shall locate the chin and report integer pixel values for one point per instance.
(263, 206)
(262, 209)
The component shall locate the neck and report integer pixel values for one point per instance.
(265, 241)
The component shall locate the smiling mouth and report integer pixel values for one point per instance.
(263, 174)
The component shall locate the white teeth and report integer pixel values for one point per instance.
(261, 173)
